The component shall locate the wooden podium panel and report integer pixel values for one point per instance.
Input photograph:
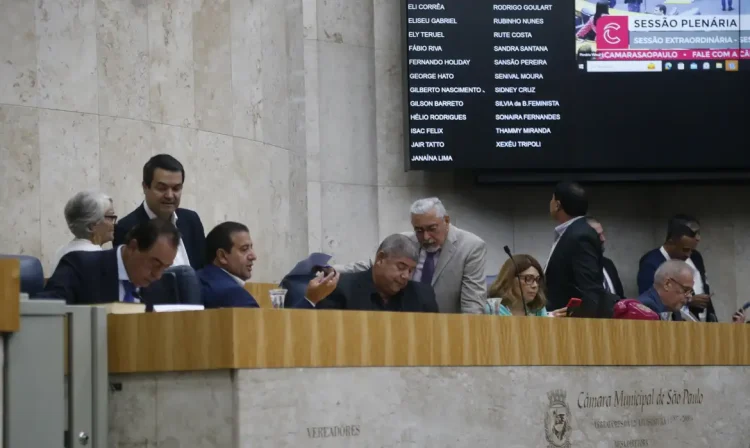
(268, 338)
(10, 290)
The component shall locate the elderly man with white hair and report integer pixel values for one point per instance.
(450, 259)
(672, 290)
(91, 218)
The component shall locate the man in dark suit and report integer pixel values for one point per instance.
(574, 267)
(683, 235)
(115, 275)
(163, 178)
(702, 299)
(670, 290)
(612, 283)
(230, 264)
(386, 286)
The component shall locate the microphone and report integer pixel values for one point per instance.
(520, 288)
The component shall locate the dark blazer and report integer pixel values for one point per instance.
(614, 276)
(651, 261)
(220, 290)
(296, 286)
(575, 270)
(188, 223)
(651, 299)
(84, 278)
(356, 291)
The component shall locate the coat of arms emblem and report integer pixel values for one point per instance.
(557, 420)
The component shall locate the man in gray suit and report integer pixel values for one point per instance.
(450, 259)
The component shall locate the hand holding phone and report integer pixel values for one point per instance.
(573, 303)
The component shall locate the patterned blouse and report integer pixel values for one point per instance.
(502, 310)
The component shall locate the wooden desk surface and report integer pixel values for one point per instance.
(268, 338)
(10, 289)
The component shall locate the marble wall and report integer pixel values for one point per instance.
(452, 407)
(173, 410)
(289, 117)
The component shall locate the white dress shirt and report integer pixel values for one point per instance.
(77, 245)
(559, 231)
(608, 285)
(122, 274)
(234, 277)
(181, 259)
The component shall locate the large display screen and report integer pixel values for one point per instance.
(577, 85)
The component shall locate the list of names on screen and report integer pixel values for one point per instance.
(526, 108)
(481, 77)
(436, 97)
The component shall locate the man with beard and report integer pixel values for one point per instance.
(163, 178)
(450, 259)
(612, 283)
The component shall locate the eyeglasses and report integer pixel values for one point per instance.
(112, 218)
(687, 290)
(530, 279)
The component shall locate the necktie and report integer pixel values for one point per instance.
(428, 270)
(130, 292)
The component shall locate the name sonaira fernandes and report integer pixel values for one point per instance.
(324, 432)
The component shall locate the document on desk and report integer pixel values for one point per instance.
(177, 307)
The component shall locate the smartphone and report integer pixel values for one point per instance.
(573, 303)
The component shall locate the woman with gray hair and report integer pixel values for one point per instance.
(91, 219)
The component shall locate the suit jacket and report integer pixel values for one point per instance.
(651, 261)
(85, 278)
(296, 287)
(459, 279)
(188, 223)
(651, 299)
(220, 290)
(614, 276)
(356, 291)
(574, 269)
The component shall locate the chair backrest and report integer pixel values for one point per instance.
(178, 284)
(32, 273)
(261, 293)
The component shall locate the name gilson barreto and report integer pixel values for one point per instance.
(436, 103)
